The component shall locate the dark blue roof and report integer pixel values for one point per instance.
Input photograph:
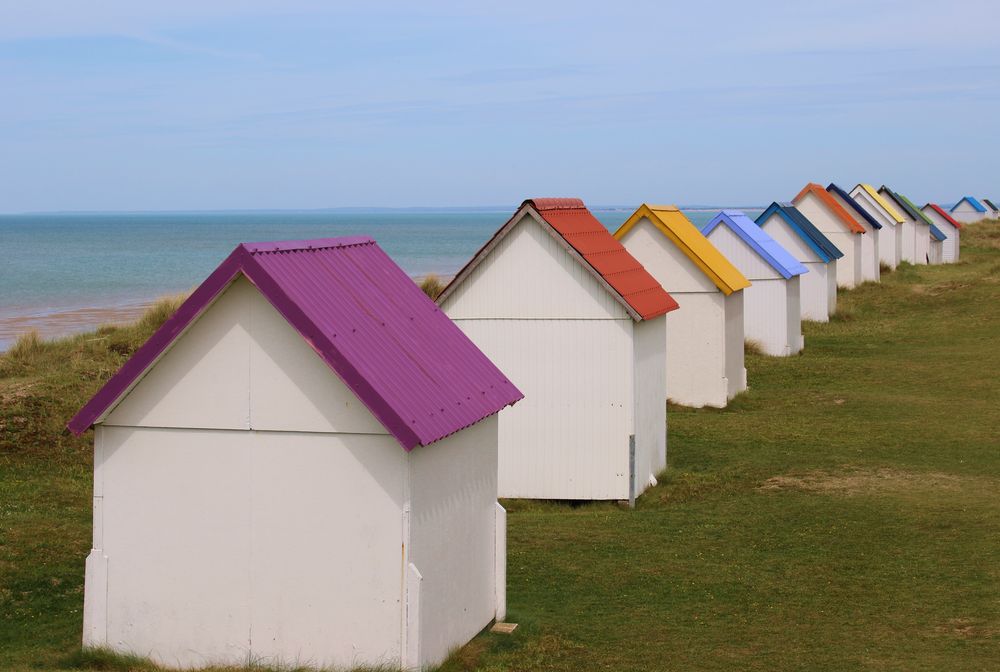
(936, 233)
(854, 205)
(991, 204)
(901, 202)
(767, 247)
(805, 230)
(973, 202)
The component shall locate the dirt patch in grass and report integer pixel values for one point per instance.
(967, 628)
(862, 481)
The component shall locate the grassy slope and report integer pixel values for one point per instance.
(843, 514)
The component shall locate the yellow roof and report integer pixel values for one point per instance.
(675, 226)
(884, 203)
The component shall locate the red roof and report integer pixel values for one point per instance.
(368, 321)
(595, 247)
(948, 218)
(838, 210)
(578, 227)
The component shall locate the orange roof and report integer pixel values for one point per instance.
(838, 210)
(595, 247)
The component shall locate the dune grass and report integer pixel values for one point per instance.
(842, 514)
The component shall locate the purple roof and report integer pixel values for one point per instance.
(390, 344)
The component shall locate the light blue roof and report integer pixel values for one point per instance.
(973, 202)
(936, 233)
(767, 247)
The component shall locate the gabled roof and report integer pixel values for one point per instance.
(913, 207)
(672, 223)
(764, 245)
(884, 204)
(837, 209)
(590, 243)
(366, 319)
(855, 207)
(902, 204)
(805, 230)
(976, 205)
(937, 234)
(991, 205)
(941, 211)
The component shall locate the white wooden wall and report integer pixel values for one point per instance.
(831, 286)
(650, 382)
(768, 308)
(698, 342)
(922, 241)
(890, 238)
(949, 248)
(935, 254)
(869, 243)
(736, 374)
(848, 266)
(452, 518)
(813, 285)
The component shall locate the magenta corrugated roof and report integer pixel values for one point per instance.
(403, 358)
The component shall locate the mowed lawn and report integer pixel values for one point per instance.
(843, 514)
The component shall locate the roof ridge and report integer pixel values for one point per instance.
(265, 247)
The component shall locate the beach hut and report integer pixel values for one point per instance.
(921, 231)
(951, 228)
(299, 465)
(578, 324)
(935, 252)
(871, 242)
(834, 222)
(890, 245)
(968, 210)
(992, 211)
(704, 338)
(794, 232)
(772, 308)
(916, 235)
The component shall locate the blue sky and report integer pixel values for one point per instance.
(114, 105)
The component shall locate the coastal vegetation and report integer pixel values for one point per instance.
(841, 514)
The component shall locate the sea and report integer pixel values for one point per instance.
(68, 272)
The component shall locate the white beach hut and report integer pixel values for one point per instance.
(870, 242)
(838, 226)
(794, 232)
(916, 231)
(772, 309)
(578, 324)
(890, 245)
(992, 209)
(969, 210)
(300, 465)
(935, 253)
(705, 338)
(951, 228)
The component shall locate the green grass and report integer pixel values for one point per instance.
(843, 514)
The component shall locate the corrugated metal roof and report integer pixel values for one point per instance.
(764, 245)
(676, 227)
(591, 243)
(976, 205)
(910, 205)
(884, 204)
(941, 211)
(391, 345)
(836, 208)
(805, 230)
(855, 206)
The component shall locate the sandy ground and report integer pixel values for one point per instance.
(67, 322)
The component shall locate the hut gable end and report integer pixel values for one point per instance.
(530, 274)
(671, 267)
(240, 365)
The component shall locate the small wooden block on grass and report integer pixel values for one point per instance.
(504, 628)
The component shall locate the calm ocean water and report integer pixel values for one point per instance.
(54, 263)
